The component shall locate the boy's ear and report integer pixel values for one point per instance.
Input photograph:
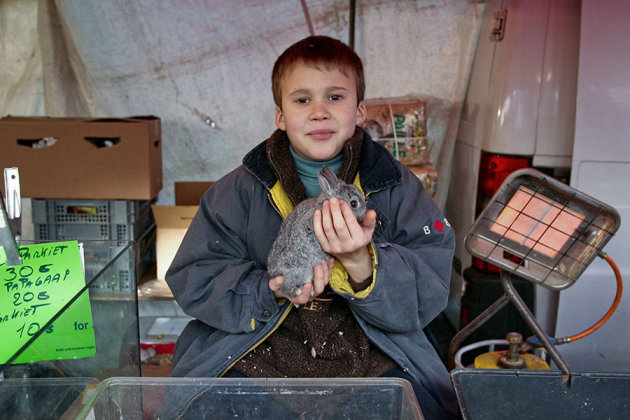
(280, 123)
(361, 113)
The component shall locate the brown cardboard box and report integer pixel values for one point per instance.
(188, 193)
(84, 158)
(172, 223)
(400, 124)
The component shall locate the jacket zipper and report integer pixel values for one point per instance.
(282, 318)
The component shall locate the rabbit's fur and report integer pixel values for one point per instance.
(296, 250)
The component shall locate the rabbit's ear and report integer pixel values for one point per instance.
(327, 180)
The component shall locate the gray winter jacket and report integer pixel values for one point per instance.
(219, 273)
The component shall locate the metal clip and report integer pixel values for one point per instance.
(498, 31)
(10, 225)
(13, 200)
(12, 191)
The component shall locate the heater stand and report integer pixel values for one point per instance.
(511, 295)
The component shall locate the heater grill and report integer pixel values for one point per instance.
(541, 229)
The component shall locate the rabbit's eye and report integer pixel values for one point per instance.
(354, 204)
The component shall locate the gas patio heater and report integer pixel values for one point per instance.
(546, 232)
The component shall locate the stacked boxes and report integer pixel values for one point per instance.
(400, 124)
(120, 221)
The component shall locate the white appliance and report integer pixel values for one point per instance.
(601, 168)
(519, 110)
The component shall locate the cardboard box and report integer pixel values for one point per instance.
(188, 193)
(84, 158)
(400, 124)
(172, 223)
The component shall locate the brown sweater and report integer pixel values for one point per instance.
(321, 338)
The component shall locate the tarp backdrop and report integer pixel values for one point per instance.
(191, 62)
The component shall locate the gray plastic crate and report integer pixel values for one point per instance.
(119, 221)
(110, 220)
(119, 278)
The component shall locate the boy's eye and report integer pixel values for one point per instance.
(335, 97)
(302, 101)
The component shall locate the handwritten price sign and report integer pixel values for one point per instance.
(51, 274)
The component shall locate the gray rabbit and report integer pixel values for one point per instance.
(296, 250)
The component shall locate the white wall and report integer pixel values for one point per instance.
(601, 168)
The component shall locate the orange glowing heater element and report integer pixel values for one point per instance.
(537, 222)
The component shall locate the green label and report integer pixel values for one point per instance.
(50, 275)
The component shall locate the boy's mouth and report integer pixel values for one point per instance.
(321, 134)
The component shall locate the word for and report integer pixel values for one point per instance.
(80, 325)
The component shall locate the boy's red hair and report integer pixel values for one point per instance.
(320, 52)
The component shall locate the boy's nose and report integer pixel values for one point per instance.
(320, 112)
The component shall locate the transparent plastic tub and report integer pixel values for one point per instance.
(272, 398)
(44, 398)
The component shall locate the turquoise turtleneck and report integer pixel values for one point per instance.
(307, 170)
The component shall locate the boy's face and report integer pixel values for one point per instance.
(319, 111)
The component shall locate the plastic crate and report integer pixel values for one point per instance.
(109, 220)
(129, 264)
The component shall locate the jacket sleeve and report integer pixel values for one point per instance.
(413, 260)
(214, 276)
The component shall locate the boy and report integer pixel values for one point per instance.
(364, 313)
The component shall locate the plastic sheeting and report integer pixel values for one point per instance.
(193, 63)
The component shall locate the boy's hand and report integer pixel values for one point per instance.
(309, 290)
(341, 235)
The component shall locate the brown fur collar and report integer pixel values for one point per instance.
(281, 162)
